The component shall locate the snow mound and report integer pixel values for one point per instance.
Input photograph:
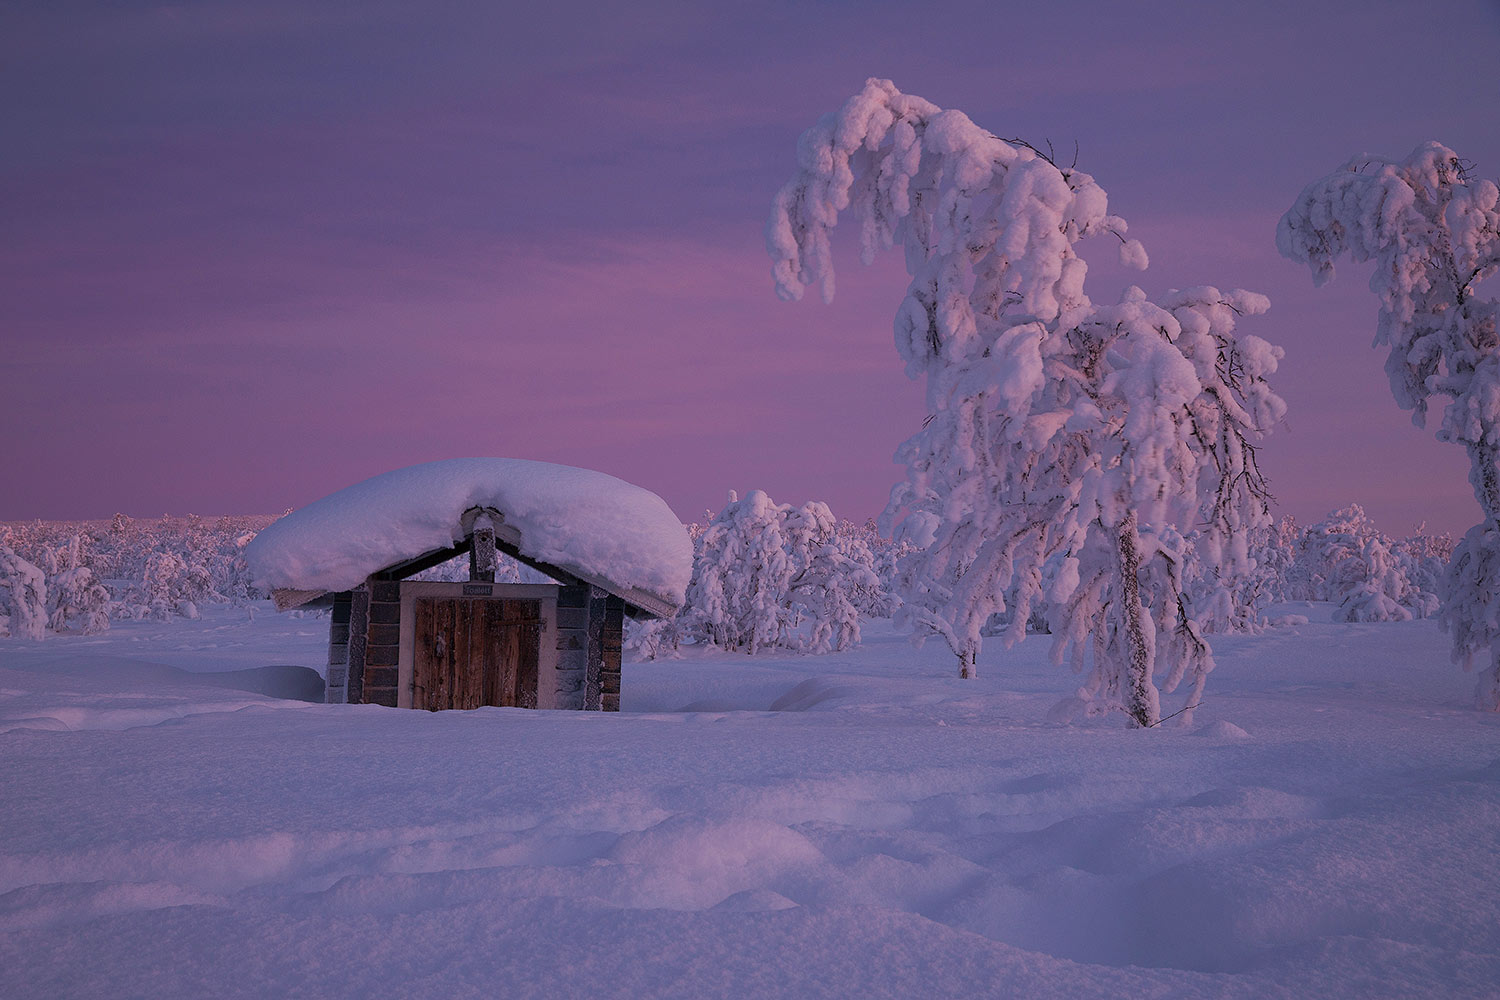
(755, 901)
(1222, 730)
(811, 692)
(599, 528)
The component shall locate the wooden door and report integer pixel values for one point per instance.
(470, 652)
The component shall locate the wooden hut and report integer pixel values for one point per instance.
(421, 644)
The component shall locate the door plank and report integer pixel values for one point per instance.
(422, 657)
(479, 667)
(529, 662)
(509, 654)
(469, 639)
(448, 639)
(500, 670)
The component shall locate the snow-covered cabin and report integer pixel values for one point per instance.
(613, 549)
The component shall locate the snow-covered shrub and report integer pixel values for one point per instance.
(1433, 232)
(655, 639)
(221, 551)
(212, 554)
(23, 596)
(888, 554)
(742, 577)
(1064, 442)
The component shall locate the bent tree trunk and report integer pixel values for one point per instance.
(1142, 703)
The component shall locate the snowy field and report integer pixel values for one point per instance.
(848, 825)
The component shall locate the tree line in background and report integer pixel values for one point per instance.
(767, 577)
(63, 576)
(78, 576)
(771, 577)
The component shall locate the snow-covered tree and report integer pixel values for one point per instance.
(136, 569)
(1227, 579)
(1065, 442)
(1276, 548)
(1434, 234)
(834, 575)
(1222, 599)
(74, 594)
(1162, 435)
(765, 570)
(1424, 561)
(1346, 559)
(770, 576)
(173, 586)
(741, 576)
(1353, 563)
(863, 547)
(23, 590)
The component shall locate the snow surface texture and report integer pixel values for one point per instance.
(860, 825)
(596, 526)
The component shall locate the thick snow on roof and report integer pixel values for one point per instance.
(595, 526)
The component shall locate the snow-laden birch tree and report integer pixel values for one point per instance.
(1066, 443)
(1434, 234)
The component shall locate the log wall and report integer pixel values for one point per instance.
(336, 691)
(383, 643)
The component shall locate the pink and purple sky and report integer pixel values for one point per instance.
(251, 253)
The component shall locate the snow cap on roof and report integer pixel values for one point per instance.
(599, 528)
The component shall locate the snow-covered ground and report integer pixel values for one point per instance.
(861, 824)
